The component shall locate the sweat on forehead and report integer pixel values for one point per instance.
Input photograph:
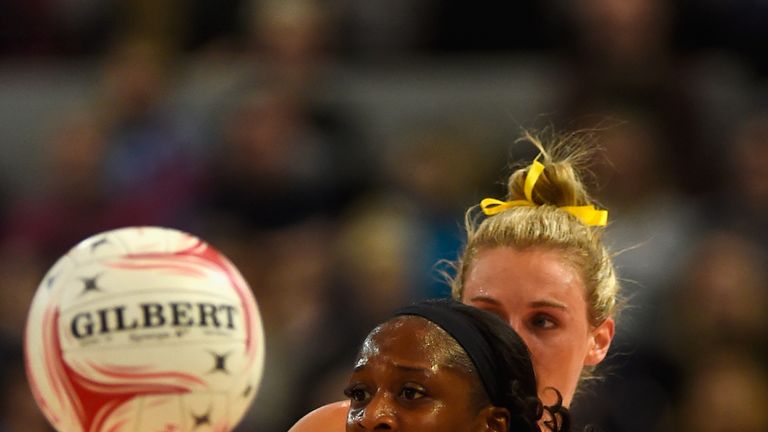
(425, 340)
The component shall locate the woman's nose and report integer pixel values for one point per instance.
(516, 325)
(380, 414)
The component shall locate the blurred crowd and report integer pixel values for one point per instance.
(268, 128)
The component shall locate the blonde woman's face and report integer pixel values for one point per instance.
(543, 298)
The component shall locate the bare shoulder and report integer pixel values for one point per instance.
(327, 418)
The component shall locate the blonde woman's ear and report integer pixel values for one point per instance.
(601, 337)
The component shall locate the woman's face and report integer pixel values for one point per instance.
(543, 298)
(401, 383)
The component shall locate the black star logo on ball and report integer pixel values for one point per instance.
(202, 420)
(220, 362)
(248, 390)
(50, 281)
(100, 242)
(89, 285)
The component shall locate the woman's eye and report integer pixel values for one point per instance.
(543, 322)
(357, 394)
(411, 393)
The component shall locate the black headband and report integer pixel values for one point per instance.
(471, 339)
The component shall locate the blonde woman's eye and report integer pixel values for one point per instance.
(543, 322)
(411, 393)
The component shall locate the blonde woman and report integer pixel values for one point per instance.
(536, 260)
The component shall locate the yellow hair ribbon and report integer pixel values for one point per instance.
(587, 214)
(534, 171)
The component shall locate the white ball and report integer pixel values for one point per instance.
(144, 329)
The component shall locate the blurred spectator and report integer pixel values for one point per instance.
(111, 165)
(277, 166)
(375, 271)
(627, 40)
(721, 299)
(72, 205)
(621, 54)
(727, 390)
(652, 221)
(618, 47)
(292, 39)
(746, 192)
(147, 163)
(376, 256)
(439, 171)
(282, 154)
